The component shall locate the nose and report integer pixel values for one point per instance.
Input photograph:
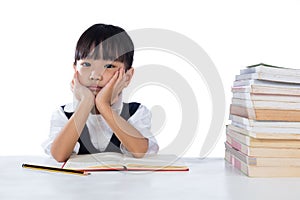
(97, 74)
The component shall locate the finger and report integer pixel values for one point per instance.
(112, 81)
(73, 81)
(72, 84)
(115, 77)
(76, 79)
(121, 75)
(125, 80)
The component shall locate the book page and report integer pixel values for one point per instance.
(98, 160)
(156, 162)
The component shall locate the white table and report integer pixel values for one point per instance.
(207, 179)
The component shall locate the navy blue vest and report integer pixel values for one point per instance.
(86, 146)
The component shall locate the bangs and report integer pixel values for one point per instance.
(109, 44)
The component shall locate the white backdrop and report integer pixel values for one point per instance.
(38, 39)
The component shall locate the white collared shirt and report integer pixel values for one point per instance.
(100, 132)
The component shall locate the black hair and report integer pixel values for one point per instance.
(107, 42)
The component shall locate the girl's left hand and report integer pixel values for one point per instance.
(110, 92)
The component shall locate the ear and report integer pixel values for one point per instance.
(128, 76)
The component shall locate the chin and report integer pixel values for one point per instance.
(95, 92)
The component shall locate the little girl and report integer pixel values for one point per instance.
(98, 120)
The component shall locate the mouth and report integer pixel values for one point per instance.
(95, 89)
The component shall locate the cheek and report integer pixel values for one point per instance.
(108, 75)
(83, 77)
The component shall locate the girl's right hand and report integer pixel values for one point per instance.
(81, 92)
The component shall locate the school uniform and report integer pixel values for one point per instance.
(97, 136)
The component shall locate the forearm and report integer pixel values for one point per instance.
(63, 145)
(129, 136)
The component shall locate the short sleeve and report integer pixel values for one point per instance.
(57, 122)
(141, 120)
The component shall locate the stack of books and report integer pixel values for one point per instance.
(263, 139)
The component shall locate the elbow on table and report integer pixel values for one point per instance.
(140, 152)
(59, 157)
(138, 155)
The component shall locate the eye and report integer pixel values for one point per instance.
(86, 64)
(109, 66)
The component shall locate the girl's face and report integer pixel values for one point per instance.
(95, 74)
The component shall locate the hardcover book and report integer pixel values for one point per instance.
(260, 104)
(266, 114)
(265, 133)
(266, 97)
(256, 123)
(264, 161)
(254, 142)
(262, 171)
(263, 151)
(270, 73)
(246, 87)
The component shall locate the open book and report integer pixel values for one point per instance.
(111, 161)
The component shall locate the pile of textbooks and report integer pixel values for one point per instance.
(263, 139)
